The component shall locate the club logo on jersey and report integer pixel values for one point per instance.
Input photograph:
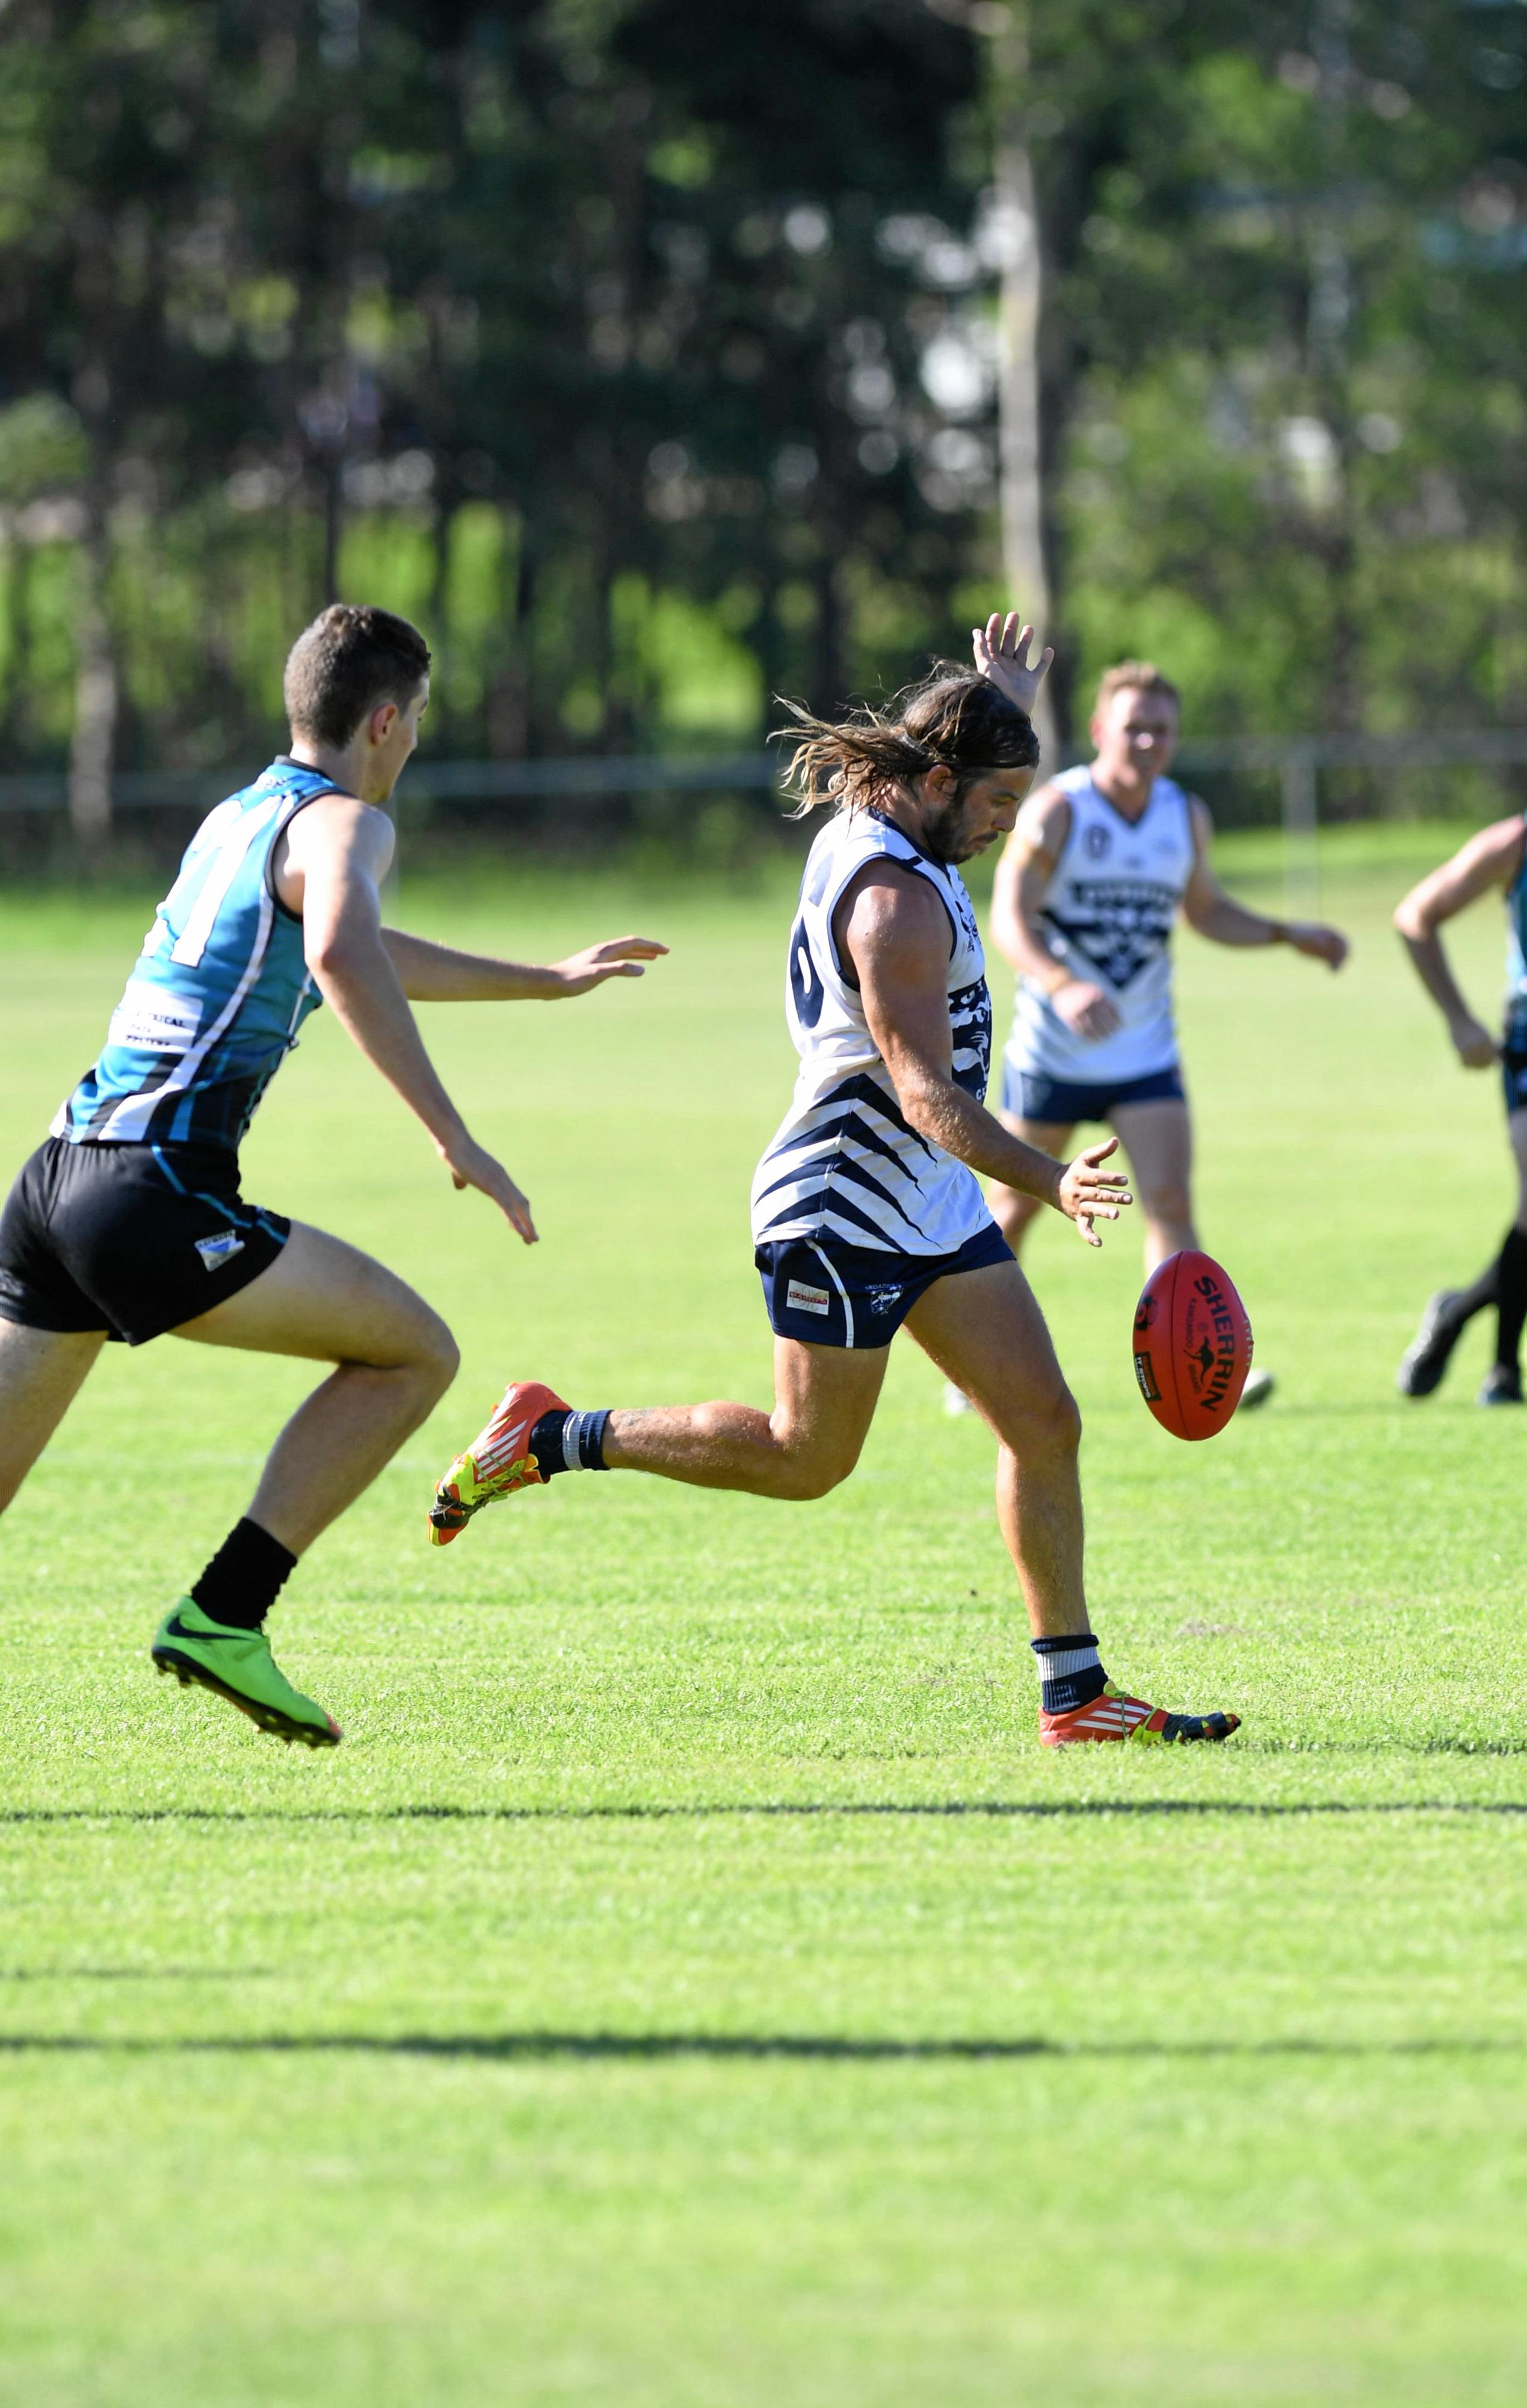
(151, 1020)
(801, 1298)
(970, 1034)
(222, 1249)
(1097, 840)
(1119, 926)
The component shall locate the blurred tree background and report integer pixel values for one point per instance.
(648, 355)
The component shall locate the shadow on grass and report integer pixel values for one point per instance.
(1038, 1809)
(517, 2047)
(138, 1972)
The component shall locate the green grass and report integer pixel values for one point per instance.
(691, 1987)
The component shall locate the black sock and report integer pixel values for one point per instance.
(1512, 1272)
(1470, 1300)
(1070, 1674)
(240, 1584)
(567, 1442)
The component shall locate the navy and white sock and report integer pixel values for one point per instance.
(567, 1442)
(1070, 1673)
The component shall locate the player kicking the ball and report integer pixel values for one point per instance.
(128, 1222)
(867, 1211)
(1098, 866)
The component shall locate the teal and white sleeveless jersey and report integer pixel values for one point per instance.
(218, 992)
(1516, 957)
(846, 1163)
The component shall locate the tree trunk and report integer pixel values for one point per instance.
(1025, 568)
(93, 745)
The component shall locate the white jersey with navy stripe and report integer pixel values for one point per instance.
(846, 1163)
(1108, 914)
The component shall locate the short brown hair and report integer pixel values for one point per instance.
(1135, 677)
(350, 659)
(953, 716)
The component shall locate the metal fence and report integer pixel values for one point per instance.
(1296, 762)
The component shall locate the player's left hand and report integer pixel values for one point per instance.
(1087, 1194)
(1322, 944)
(1001, 654)
(617, 957)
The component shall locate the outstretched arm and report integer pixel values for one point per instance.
(430, 973)
(896, 933)
(1217, 916)
(334, 853)
(1492, 858)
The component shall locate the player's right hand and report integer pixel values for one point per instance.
(1475, 1047)
(470, 1165)
(1087, 1193)
(1086, 1010)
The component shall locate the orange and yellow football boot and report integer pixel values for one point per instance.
(497, 1464)
(1116, 1716)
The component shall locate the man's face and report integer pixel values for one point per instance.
(393, 734)
(958, 829)
(1136, 733)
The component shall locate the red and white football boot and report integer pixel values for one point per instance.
(1116, 1716)
(497, 1464)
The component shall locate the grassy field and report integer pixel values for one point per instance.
(691, 1987)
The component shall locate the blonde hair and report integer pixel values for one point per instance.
(952, 718)
(1135, 677)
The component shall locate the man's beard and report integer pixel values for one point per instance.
(946, 835)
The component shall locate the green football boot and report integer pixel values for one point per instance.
(239, 1666)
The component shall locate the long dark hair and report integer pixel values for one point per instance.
(953, 717)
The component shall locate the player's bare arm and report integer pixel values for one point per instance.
(1490, 860)
(328, 872)
(1213, 914)
(431, 974)
(895, 931)
(1023, 874)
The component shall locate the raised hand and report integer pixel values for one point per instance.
(471, 1165)
(1001, 654)
(617, 957)
(1322, 944)
(1087, 1194)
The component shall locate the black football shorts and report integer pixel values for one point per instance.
(133, 1239)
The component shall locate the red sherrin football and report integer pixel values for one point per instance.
(1192, 1345)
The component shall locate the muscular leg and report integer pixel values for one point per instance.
(1011, 1211)
(395, 1359)
(41, 1372)
(1511, 1267)
(824, 1402)
(984, 1331)
(1157, 1139)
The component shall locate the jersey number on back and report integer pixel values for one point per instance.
(805, 984)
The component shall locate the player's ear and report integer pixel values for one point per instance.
(379, 725)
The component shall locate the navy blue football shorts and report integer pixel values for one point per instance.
(1033, 1096)
(132, 1239)
(1514, 1079)
(827, 1294)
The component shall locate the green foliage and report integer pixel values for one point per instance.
(507, 317)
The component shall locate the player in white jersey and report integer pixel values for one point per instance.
(1102, 862)
(867, 1211)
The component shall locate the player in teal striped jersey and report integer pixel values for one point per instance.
(128, 1222)
(1496, 858)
